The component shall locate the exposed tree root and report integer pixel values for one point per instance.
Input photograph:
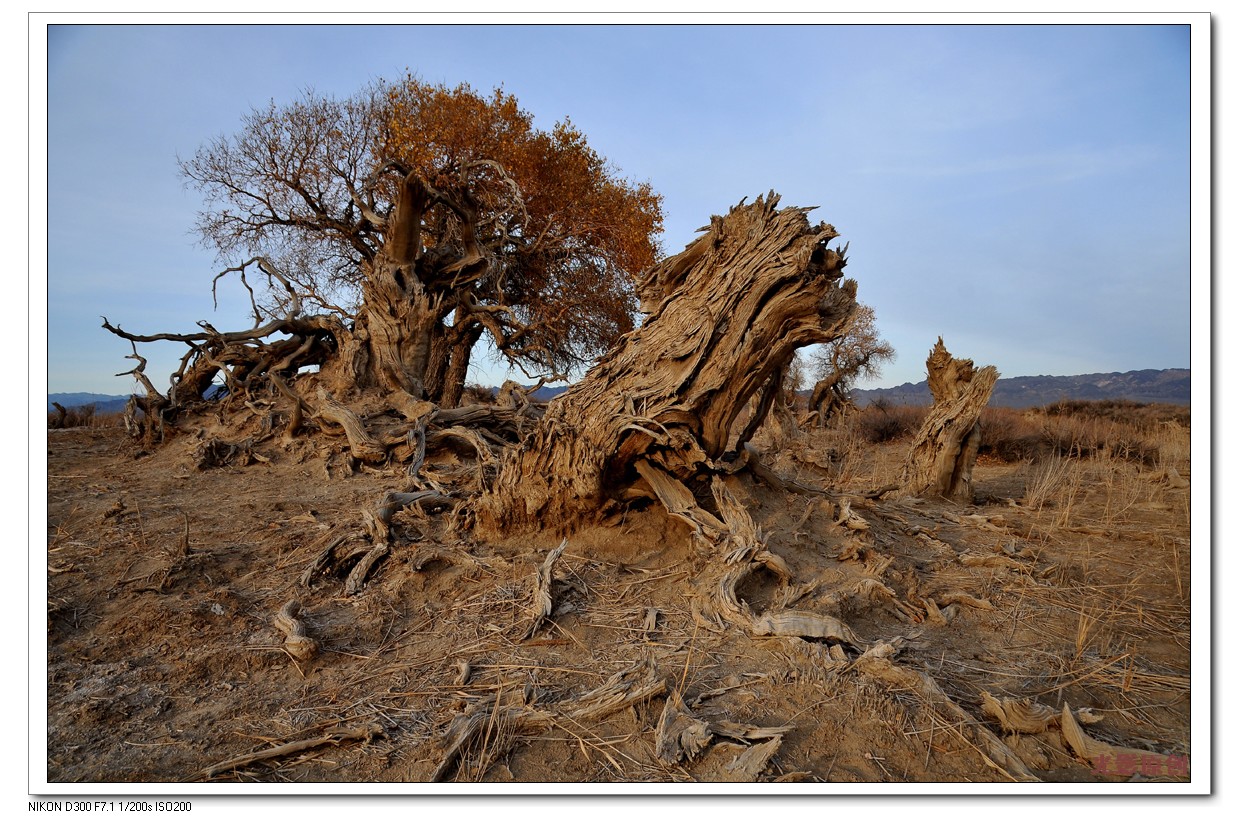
(336, 558)
(877, 663)
(752, 761)
(214, 453)
(872, 589)
(426, 555)
(848, 519)
(363, 446)
(876, 494)
(737, 549)
(296, 641)
(748, 733)
(1105, 757)
(679, 735)
(1024, 716)
(360, 572)
(354, 556)
(962, 599)
(492, 717)
(769, 477)
(994, 561)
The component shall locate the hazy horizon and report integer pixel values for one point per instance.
(860, 385)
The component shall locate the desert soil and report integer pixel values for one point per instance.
(165, 662)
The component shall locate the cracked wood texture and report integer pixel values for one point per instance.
(725, 318)
(945, 448)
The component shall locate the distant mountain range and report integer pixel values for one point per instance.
(103, 403)
(546, 393)
(1149, 386)
(1145, 386)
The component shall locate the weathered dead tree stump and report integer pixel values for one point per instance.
(725, 318)
(945, 449)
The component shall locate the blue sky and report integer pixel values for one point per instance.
(1022, 191)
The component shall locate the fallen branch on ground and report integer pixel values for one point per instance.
(364, 733)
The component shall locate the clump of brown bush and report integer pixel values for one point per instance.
(1009, 435)
(1126, 430)
(1120, 410)
(881, 422)
(1083, 437)
(1121, 429)
(477, 394)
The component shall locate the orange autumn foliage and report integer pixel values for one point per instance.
(570, 232)
(311, 185)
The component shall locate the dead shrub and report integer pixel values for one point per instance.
(1136, 414)
(1084, 436)
(477, 394)
(1007, 434)
(1120, 429)
(86, 415)
(1076, 429)
(882, 422)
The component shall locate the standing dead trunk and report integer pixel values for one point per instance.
(945, 449)
(726, 316)
(828, 399)
(440, 356)
(458, 367)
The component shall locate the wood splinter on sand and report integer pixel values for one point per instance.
(543, 603)
(1102, 754)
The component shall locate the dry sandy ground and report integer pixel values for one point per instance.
(165, 662)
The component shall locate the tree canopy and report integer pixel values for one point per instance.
(859, 352)
(527, 234)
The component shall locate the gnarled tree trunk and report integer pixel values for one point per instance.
(458, 367)
(828, 399)
(726, 316)
(945, 449)
(400, 310)
(451, 352)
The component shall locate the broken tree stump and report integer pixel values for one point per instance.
(945, 449)
(725, 318)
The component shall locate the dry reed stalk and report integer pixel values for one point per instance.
(1044, 482)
